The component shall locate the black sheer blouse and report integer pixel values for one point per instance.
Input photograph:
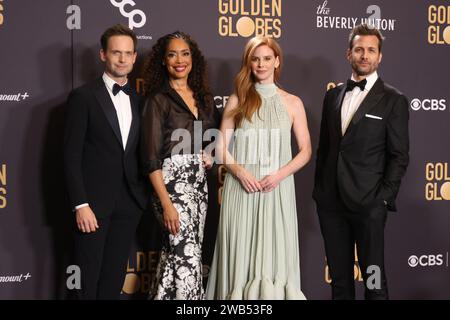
(165, 112)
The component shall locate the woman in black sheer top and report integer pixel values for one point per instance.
(179, 110)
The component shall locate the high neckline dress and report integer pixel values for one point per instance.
(257, 250)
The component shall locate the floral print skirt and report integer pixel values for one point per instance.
(179, 272)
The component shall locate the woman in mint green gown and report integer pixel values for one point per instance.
(257, 247)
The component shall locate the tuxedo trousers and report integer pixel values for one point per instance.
(341, 230)
(102, 255)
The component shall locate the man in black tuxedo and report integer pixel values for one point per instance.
(361, 159)
(101, 163)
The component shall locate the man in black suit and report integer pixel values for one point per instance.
(101, 163)
(361, 159)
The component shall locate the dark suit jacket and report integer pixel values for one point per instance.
(367, 164)
(95, 163)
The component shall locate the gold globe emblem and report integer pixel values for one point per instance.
(245, 27)
(445, 188)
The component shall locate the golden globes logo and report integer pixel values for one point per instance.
(356, 269)
(331, 85)
(140, 83)
(439, 28)
(3, 201)
(1, 12)
(141, 273)
(438, 181)
(222, 170)
(246, 18)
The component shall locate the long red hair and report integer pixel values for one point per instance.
(249, 100)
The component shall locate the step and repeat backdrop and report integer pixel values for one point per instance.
(49, 47)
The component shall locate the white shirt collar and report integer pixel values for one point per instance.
(371, 79)
(109, 82)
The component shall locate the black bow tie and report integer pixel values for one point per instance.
(352, 84)
(125, 88)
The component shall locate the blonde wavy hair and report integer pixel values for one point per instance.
(249, 100)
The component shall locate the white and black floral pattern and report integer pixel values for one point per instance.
(179, 270)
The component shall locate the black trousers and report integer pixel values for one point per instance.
(341, 229)
(102, 255)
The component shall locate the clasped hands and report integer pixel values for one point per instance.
(251, 184)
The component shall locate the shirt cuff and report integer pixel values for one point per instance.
(81, 206)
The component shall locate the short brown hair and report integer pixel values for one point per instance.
(117, 30)
(365, 30)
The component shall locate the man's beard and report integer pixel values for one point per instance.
(361, 72)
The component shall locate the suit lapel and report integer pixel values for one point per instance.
(103, 98)
(134, 102)
(373, 97)
(338, 104)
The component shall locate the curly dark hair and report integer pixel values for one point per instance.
(155, 73)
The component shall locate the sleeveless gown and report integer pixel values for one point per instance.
(256, 253)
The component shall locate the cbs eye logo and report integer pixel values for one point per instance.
(413, 261)
(428, 104)
(426, 260)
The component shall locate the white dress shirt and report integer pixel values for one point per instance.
(353, 99)
(122, 104)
